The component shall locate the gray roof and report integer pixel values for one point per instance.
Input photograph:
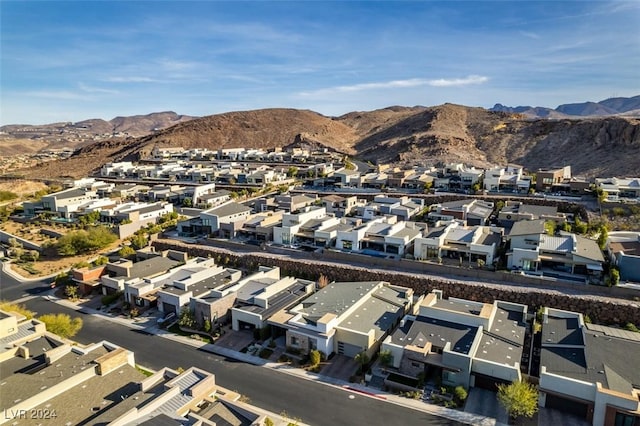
(527, 227)
(562, 331)
(380, 312)
(335, 298)
(438, 332)
(588, 249)
(503, 342)
(228, 209)
(224, 414)
(203, 286)
(152, 266)
(538, 211)
(24, 385)
(609, 360)
(281, 300)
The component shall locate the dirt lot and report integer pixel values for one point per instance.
(22, 187)
(49, 262)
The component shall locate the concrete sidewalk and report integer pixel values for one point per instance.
(149, 325)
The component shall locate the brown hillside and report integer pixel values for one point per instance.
(476, 136)
(267, 128)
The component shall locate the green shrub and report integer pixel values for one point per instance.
(110, 298)
(265, 353)
(460, 393)
(314, 357)
(283, 358)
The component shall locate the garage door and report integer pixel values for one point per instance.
(570, 406)
(348, 350)
(487, 382)
(168, 308)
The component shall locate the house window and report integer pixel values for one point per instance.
(295, 341)
(623, 419)
(416, 364)
(448, 376)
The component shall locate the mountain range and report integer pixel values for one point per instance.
(607, 107)
(592, 146)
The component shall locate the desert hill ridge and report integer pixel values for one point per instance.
(594, 146)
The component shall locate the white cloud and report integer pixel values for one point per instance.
(530, 34)
(90, 89)
(449, 82)
(58, 94)
(133, 79)
(399, 84)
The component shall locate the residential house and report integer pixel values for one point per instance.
(346, 318)
(472, 211)
(318, 232)
(213, 199)
(294, 203)
(510, 178)
(403, 207)
(123, 271)
(47, 376)
(459, 342)
(223, 219)
(553, 179)
(389, 237)
(185, 285)
(292, 222)
(264, 293)
(259, 226)
(589, 370)
(120, 169)
(470, 244)
(514, 211)
(340, 206)
(346, 177)
(561, 256)
(624, 252)
(619, 188)
(62, 204)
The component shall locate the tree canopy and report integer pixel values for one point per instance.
(79, 242)
(62, 324)
(518, 398)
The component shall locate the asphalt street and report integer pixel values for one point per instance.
(12, 289)
(313, 403)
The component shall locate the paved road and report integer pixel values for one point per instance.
(12, 289)
(313, 403)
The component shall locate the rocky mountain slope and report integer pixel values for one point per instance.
(23, 138)
(607, 107)
(419, 135)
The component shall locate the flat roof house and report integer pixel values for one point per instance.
(123, 271)
(562, 255)
(264, 293)
(473, 211)
(174, 289)
(469, 243)
(345, 317)
(100, 384)
(589, 370)
(211, 221)
(515, 211)
(624, 250)
(463, 342)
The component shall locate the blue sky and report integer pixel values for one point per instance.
(69, 61)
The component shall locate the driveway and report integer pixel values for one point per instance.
(485, 403)
(340, 367)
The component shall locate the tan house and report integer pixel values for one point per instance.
(346, 318)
